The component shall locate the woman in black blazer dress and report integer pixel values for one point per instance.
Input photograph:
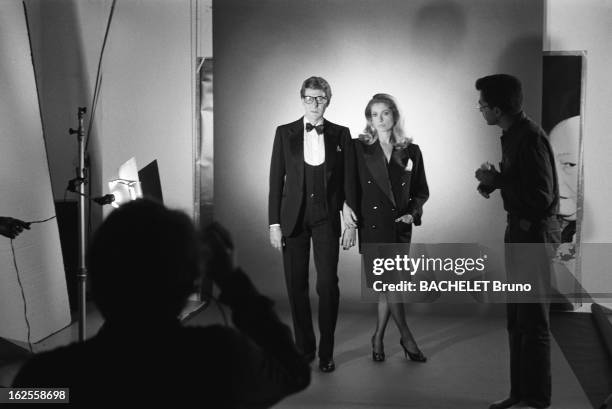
(389, 197)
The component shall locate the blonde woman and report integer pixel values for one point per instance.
(391, 191)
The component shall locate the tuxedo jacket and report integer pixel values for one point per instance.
(387, 191)
(287, 187)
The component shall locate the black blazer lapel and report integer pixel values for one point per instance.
(375, 161)
(330, 138)
(296, 147)
(399, 158)
(398, 174)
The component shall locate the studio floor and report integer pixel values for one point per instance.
(467, 363)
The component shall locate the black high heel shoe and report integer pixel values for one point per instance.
(377, 356)
(414, 356)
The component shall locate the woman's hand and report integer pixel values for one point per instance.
(348, 216)
(407, 218)
(348, 238)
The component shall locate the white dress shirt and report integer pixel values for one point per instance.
(314, 145)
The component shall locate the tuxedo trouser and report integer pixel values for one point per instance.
(528, 322)
(296, 257)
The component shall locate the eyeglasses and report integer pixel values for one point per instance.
(481, 107)
(310, 100)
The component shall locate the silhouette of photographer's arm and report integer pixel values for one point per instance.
(267, 365)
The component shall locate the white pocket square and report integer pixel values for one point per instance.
(408, 165)
(338, 148)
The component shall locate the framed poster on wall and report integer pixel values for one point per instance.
(562, 118)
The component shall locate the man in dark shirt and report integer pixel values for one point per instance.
(528, 183)
(144, 262)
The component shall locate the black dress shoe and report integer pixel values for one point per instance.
(506, 403)
(326, 365)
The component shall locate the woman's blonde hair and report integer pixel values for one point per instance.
(369, 136)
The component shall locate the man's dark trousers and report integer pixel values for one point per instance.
(296, 255)
(528, 322)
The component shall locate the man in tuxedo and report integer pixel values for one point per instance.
(529, 189)
(312, 165)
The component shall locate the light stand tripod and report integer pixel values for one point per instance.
(77, 185)
(81, 180)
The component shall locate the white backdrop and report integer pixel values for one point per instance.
(426, 53)
(26, 194)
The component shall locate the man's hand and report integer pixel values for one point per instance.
(349, 217)
(487, 175)
(11, 228)
(485, 191)
(348, 238)
(276, 237)
(407, 218)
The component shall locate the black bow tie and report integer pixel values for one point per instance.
(310, 127)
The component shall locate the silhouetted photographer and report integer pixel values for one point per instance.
(144, 262)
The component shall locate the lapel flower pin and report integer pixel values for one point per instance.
(338, 148)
